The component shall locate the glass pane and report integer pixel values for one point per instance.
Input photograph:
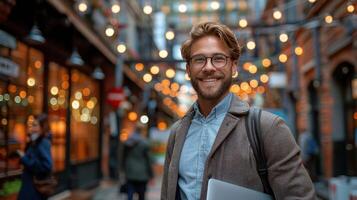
(84, 117)
(57, 111)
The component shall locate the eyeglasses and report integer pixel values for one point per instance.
(217, 60)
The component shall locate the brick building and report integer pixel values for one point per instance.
(322, 75)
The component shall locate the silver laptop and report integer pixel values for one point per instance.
(218, 190)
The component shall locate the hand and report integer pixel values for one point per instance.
(20, 153)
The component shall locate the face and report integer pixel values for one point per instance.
(210, 82)
(34, 127)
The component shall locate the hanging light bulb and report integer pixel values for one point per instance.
(182, 8)
(98, 73)
(147, 9)
(109, 31)
(115, 7)
(277, 14)
(215, 5)
(283, 58)
(82, 6)
(243, 23)
(75, 58)
(163, 53)
(312, 1)
(283, 37)
(328, 19)
(35, 36)
(350, 7)
(170, 35)
(121, 48)
(298, 51)
(251, 45)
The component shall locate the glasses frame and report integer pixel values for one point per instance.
(211, 60)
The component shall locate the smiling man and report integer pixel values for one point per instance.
(211, 140)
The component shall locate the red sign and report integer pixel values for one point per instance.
(116, 96)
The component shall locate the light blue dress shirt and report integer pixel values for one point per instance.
(198, 143)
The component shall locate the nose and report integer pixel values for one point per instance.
(208, 67)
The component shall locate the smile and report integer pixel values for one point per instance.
(209, 80)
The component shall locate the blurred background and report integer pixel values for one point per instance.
(100, 67)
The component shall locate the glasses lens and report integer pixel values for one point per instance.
(198, 61)
(219, 60)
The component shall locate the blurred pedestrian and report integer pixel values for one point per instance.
(309, 153)
(137, 163)
(37, 158)
(211, 140)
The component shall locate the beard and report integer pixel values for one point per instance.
(213, 93)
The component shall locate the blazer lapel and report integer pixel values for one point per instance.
(181, 133)
(229, 122)
(237, 108)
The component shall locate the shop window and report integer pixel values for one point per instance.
(58, 88)
(84, 117)
(20, 97)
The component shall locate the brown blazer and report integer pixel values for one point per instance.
(232, 160)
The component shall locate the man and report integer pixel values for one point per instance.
(211, 141)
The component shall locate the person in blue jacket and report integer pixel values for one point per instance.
(37, 160)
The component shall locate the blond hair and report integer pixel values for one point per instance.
(215, 29)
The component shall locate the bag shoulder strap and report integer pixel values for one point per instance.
(252, 124)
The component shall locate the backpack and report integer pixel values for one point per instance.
(252, 125)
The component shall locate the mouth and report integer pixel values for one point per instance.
(209, 80)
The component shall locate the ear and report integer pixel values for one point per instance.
(188, 70)
(234, 67)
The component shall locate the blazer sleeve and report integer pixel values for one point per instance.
(286, 173)
(39, 160)
(169, 149)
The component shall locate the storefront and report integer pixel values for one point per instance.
(30, 84)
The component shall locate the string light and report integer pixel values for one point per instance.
(115, 8)
(154, 69)
(283, 58)
(298, 51)
(251, 45)
(170, 73)
(328, 19)
(31, 82)
(170, 35)
(121, 48)
(253, 69)
(144, 119)
(264, 78)
(235, 88)
(243, 23)
(82, 6)
(139, 67)
(133, 116)
(215, 5)
(182, 8)
(147, 9)
(147, 77)
(266, 62)
(283, 37)
(312, 1)
(163, 53)
(253, 83)
(350, 7)
(277, 14)
(109, 31)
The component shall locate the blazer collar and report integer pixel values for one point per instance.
(237, 107)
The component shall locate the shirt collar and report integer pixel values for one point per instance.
(220, 108)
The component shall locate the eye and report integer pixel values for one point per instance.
(198, 59)
(219, 58)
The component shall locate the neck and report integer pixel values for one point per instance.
(206, 105)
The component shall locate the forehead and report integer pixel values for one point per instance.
(209, 45)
